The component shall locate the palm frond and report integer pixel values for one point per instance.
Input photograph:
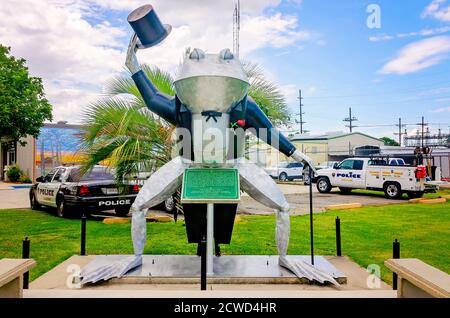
(123, 136)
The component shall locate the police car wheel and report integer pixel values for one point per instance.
(323, 185)
(283, 176)
(62, 210)
(169, 204)
(392, 190)
(34, 204)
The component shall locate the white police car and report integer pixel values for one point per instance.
(66, 189)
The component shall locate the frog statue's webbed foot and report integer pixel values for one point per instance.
(263, 189)
(303, 269)
(159, 187)
(298, 267)
(113, 269)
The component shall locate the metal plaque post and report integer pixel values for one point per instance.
(209, 238)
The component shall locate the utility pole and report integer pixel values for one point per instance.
(301, 122)
(350, 119)
(400, 126)
(405, 138)
(423, 125)
(439, 136)
(236, 27)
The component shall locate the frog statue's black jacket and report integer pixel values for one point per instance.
(174, 112)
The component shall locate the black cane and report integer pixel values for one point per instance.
(311, 227)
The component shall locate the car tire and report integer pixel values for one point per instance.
(392, 190)
(34, 203)
(283, 176)
(62, 210)
(122, 211)
(345, 190)
(169, 204)
(415, 195)
(323, 185)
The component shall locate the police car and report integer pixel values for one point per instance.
(67, 190)
(373, 174)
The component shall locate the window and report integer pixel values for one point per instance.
(58, 175)
(358, 164)
(377, 162)
(49, 176)
(295, 165)
(97, 173)
(346, 164)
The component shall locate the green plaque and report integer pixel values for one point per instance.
(210, 185)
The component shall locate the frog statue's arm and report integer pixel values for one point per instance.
(255, 118)
(157, 102)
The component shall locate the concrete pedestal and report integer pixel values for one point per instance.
(235, 269)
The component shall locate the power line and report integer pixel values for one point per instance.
(350, 119)
(393, 92)
(410, 100)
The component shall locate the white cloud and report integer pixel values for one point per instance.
(290, 92)
(442, 110)
(419, 55)
(75, 57)
(438, 9)
(423, 32)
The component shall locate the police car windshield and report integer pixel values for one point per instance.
(97, 173)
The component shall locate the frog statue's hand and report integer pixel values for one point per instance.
(131, 62)
(301, 157)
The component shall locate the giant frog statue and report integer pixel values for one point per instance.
(212, 111)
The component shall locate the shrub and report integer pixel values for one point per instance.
(24, 178)
(14, 173)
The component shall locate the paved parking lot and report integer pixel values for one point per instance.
(297, 196)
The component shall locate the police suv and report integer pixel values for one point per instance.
(66, 189)
(373, 174)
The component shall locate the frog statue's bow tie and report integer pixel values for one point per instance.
(211, 114)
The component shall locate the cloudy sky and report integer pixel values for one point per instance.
(394, 67)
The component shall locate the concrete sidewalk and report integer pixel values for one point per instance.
(11, 198)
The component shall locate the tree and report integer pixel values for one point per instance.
(389, 141)
(23, 106)
(123, 133)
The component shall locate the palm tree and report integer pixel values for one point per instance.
(120, 131)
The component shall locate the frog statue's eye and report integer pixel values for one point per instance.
(226, 54)
(197, 54)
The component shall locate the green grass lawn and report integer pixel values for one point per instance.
(367, 235)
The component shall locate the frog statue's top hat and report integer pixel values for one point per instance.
(147, 26)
